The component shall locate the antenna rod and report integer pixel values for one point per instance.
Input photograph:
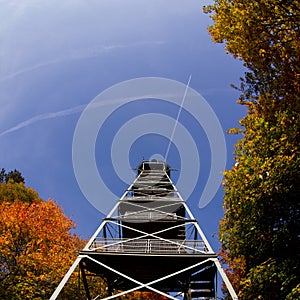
(178, 115)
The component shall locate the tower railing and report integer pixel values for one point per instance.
(154, 246)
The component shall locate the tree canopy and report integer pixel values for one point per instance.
(36, 246)
(260, 229)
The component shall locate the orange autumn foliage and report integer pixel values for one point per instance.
(143, 295)
(36, 248)
(148, 295)
(235, 268)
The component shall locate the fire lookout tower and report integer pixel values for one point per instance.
(150, 241)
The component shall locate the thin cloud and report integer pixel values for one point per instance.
(42, 117)
(74, 110)
(80, 54)
(30, 69)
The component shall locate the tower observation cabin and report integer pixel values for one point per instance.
(150, 241)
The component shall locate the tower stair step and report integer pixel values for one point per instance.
(200, 285)
(207, 274)
(203, 294)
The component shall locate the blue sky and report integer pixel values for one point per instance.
(57, 56)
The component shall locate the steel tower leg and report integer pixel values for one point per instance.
(85, 284)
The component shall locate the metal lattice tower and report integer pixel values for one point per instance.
(151, 241)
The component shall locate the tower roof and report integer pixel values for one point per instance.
(154, 165)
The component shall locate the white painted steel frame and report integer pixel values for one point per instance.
(110, 220)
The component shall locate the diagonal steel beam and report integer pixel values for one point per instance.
(154, 235)
(146, 285)
(157, 209)
(140, 284)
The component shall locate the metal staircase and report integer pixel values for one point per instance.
(203, 283)
(150, 241)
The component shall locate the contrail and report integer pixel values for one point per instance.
(44, 116)
(53, 115)
(177, 119)
(69, 111)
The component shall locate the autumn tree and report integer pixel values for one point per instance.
(260, 229)
(36, 246)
